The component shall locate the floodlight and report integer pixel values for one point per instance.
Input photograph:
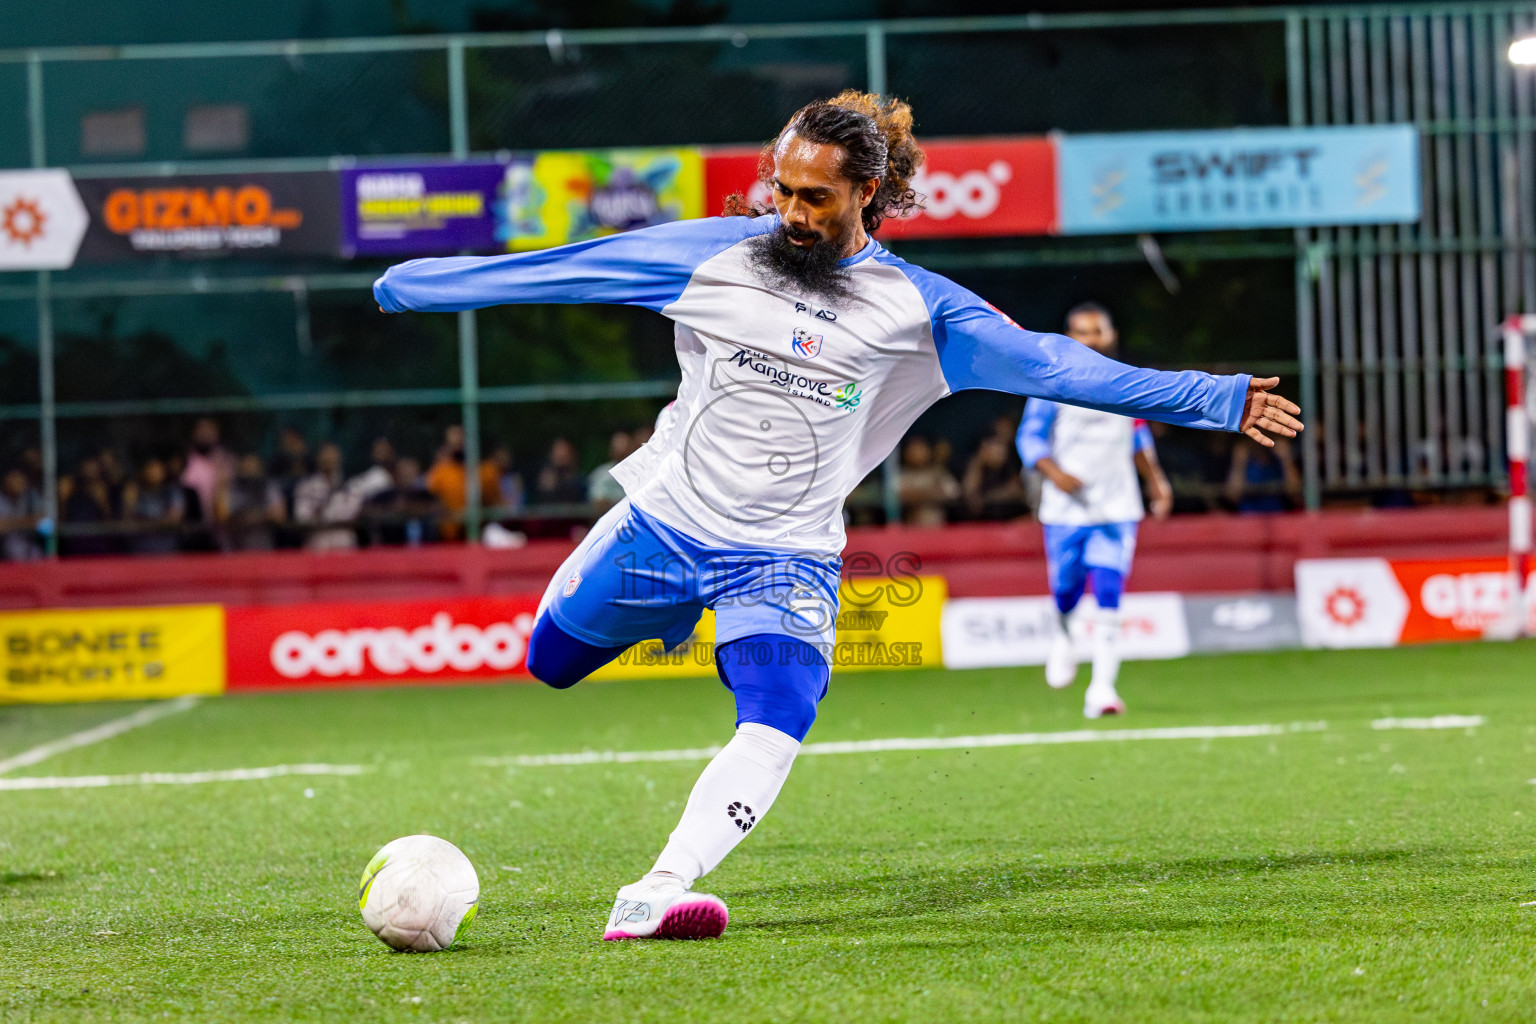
(1523, 51)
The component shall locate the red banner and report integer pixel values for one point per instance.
(455, 640)
(1376, 602)
(972, 188)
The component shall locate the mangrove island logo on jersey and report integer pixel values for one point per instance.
(831, 393)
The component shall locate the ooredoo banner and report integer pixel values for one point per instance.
(111, 654)
(206, 215)
(971, 187)
(1374, 602)
(382, 641)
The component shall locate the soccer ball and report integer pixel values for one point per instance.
(419, 894)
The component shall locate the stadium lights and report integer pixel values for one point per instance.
(1522, 52)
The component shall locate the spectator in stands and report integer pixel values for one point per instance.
(323, 498)
(287, 468)
(510, 489)
(253, 507)
(85, 501)
(209, 466)
(404, 513)
(31, 464)
(447, 481)
(380, 474)
(114, 476)
(993, 486)
(21, 509)
(1263, 479)
(154, 505)
(925, 486)
(602, 489)
(559, 481)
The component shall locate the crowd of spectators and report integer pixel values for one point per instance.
(208, 498)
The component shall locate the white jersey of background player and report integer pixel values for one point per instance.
(1090, 503)
(806, 351)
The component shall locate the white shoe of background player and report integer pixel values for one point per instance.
(1061, 662)
(1102, 700)
(662, 909)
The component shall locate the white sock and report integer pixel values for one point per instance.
(730, 798)
(1106, 650)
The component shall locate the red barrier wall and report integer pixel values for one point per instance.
(1191, 554)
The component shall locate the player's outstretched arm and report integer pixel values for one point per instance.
(979, 347)
(649, 267)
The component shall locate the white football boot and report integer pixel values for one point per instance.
(1061, 661)
(662, 909)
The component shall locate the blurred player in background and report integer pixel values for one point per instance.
(1090, 504)
(807, 351)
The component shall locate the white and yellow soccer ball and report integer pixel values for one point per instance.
(419, 893)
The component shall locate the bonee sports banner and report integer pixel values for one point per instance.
(111, 654)
(1374, 602)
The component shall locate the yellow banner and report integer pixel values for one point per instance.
(571, 196)
(882, 623)
(111, 654)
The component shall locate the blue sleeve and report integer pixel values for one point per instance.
(1034, 440)
(1141, 439)
(979, 347)
(648, 267)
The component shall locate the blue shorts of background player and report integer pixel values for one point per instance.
(634, 578)
(1100, 553)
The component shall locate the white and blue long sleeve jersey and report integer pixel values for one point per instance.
(788, 401)
(1098, 448)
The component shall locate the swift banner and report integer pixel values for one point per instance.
(198, 216)
(454, 640)
(41, 220)
(1242, 178)
(552, 198)
(111, 654)
(419, 210)
(1373, 602)
(971, 187)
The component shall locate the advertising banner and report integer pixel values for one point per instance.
(971, 187)
(1240, 178)
(1373, 602)
(420, 210)
(41, 220)
(985, 632)
(552, 198)
(111, 654)
(207, 215)
(1241, 622)
(454, 640)
(882, 623)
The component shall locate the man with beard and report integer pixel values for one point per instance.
(807, 351)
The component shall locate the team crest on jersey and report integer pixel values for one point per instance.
(805, 344)
(572, 583)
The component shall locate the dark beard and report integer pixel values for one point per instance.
(786, 265)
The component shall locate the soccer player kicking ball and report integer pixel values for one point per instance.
(807, 351)
(1089, 506)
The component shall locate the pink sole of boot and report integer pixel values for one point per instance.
(700, 919)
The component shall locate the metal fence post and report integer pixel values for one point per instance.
(1306, 341)
(874, 56)
(47, 426)
(469, 339)
(458, 100)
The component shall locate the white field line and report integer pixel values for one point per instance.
(86, 737)
(177, 778)
(1437, 722)
(1012, 739)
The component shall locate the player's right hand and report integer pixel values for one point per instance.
(1067, 482)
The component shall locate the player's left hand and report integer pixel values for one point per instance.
(1269, 412)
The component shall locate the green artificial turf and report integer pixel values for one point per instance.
(1346, 874)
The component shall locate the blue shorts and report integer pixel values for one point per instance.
(634, 578)
(1070, 551)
